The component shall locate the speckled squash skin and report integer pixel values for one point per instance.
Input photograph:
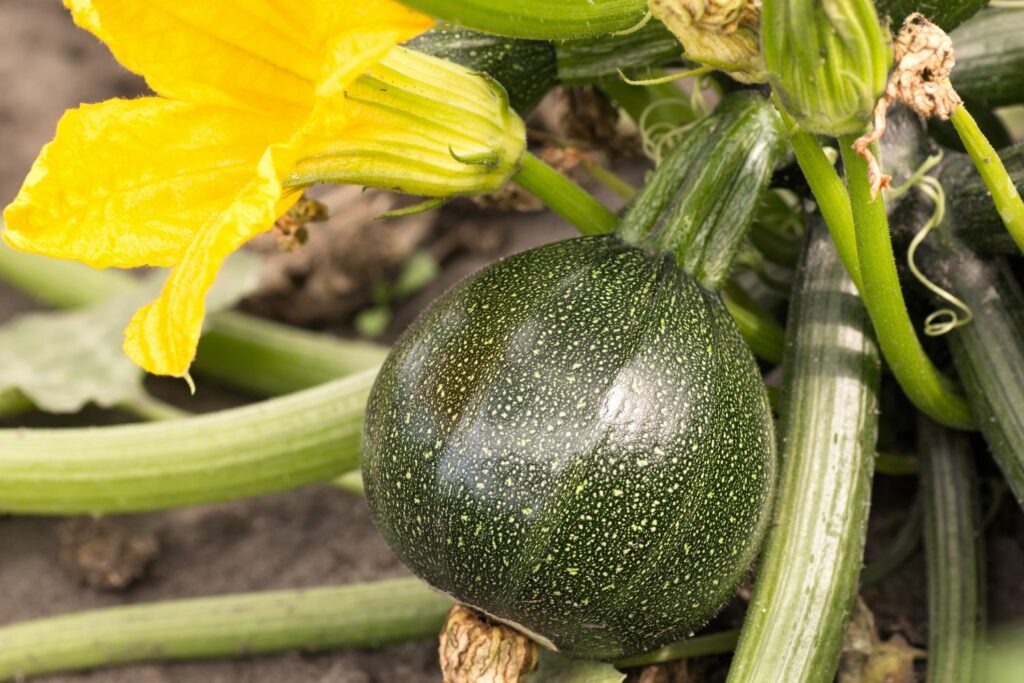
(575, 440)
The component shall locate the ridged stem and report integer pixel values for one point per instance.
(989, 352)
(927, 388)
(697, 646)
(586, 61)
(762, 333)
(255, 354)
(545, 19)
(276, 445)
(702, 198)
(954, 550)
(808, 573)
(146, 407)
(829, 193)
(356, 616)
(564, 197)
(1004, 193)
(270, 359)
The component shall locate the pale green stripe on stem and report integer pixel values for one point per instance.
(356, 616)
(954, 549)
(807, 578)
(275, 445)
(255, 354)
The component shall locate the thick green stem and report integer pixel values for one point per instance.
(989, 352)
(276, 445)
(564, 197)
(252, 353)
(146, 407)
(927, 388)
(546, 19)
(357, 616)
(953, 548)
(762, 333)
(829, 192)
(702, 198)
(990, 166)
(808, 575)
(270, 358)
(698, 646)
(587, 61)
(896, 464)
(65, 284)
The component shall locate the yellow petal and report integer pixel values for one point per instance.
(258, 54)
(357, 38)
(129, 183)
(162, 337)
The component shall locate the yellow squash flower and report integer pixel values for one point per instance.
(257, 99)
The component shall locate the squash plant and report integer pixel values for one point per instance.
(576, 441)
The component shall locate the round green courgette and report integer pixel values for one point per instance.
(577, 442)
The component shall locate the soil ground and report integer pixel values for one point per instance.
(314, 536)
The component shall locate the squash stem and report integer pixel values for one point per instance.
(1004, 193)
(989, 353)
(896, 464)
(147, 407)
(564, 197)
(829, 193)
(288, 358)
(807, 580)
(762, 333)
(276, 445)
(355, 616)
(698, 646)
(927, 388)
(953, 548)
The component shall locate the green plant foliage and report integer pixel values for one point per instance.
(556, 668)
(63, 361)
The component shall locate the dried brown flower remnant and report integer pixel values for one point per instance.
(475, 650)
(720, 33)
(924, 59)
(290, 229)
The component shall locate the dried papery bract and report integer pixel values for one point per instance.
(473, 649)
(827, 60)
(924, 59)
(719, 33)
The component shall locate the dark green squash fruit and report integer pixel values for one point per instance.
(576, 441)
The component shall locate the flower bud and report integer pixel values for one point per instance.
(420, 125)
(720, 33)
(828, 61)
